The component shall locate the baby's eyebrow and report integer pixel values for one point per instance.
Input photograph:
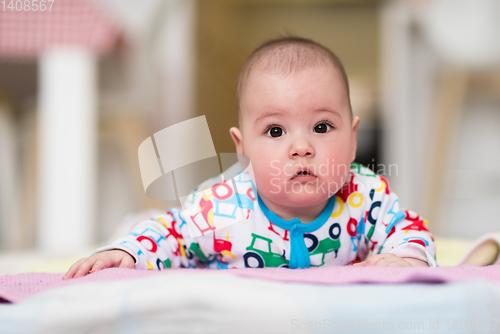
(335, 112)
(267, 114)
(274, 113)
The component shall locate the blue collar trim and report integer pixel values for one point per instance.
(299, 255)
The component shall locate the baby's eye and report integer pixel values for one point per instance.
(275, 131)
(322, 127)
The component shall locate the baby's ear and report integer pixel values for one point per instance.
(355, 123)
(237, 138)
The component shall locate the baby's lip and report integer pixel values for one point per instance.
(303, 171)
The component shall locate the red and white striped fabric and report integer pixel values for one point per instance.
(28, 33)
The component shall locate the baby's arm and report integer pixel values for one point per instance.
(396, 237)
(157, 243)
(409, 238)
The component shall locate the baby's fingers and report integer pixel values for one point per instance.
(72, 270)
(359, 264)
(127, 262)
(374, 259)
(101, 264)
(385, 262)
(85, 267)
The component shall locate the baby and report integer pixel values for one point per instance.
(307, 203)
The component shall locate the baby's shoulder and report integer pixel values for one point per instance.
(363, 180)
(232, 189)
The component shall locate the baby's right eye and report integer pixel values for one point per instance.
(275, 131)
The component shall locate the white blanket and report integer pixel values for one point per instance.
(217, 302)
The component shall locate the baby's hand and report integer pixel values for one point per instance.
(98, 261)
(391, 260)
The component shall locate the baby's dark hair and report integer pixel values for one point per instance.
(287, 55)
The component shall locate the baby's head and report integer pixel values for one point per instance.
(295, 115)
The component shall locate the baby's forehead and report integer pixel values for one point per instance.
(268, 93)
(269, 82)
(286, 58)
(263, 73)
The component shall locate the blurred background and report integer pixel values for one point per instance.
(83, 83)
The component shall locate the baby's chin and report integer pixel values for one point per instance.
(299, 199)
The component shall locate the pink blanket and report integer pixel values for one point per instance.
(15, 288)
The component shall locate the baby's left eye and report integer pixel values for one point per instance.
(322, 127)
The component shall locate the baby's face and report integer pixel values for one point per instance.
(299, 134)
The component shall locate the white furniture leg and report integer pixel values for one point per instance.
(9, 181)
(67, 150)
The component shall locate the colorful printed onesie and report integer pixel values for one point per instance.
(363, 216)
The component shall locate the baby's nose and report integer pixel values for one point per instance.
(301, 148)
(302, 153)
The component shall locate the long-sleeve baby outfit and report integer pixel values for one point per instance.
(363, 216)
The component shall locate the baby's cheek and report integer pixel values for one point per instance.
(267, 182)
(272, 186)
